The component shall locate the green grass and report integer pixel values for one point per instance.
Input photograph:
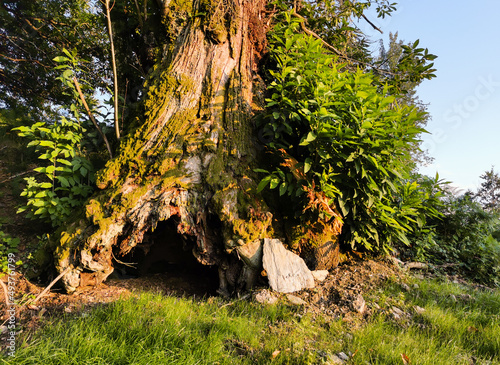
(453, 329)
(153, 329)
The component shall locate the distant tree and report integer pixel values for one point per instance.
(489, 192)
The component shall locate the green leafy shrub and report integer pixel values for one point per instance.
(68, 177)
(349, 137)
(8, 251)
(465, 239)
(425, 195)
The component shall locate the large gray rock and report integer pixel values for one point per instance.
(286, 271)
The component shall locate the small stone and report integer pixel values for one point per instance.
(405, 287)
(343, 356)
(3, 329)
(320, 275)
(397, 310)
(295, 300)
(397, 313)
(334, 360)
(359, 305)
(415, 286)
(418, 310)
(265, 297)
(465, 297)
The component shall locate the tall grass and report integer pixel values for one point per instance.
(152, 329)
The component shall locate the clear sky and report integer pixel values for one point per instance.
(464, 99)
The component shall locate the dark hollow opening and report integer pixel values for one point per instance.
(165, 256)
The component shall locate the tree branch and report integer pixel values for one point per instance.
(335, 50)
(89, 113)
(17, 175)
(113, 63)
(369, 22)
(141, 24)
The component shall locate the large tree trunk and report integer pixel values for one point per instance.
(190, 157)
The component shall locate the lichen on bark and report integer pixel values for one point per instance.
(190, 155)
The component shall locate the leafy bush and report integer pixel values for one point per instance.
(462, 236)
(426, 195)
(67, 176)
(8, 249)
(348, 137)
(465, 237)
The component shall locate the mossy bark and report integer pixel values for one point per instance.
(190, 155)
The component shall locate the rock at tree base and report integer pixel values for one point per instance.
(265, 296)
(295, 300)
(359, 304)
(320, 275)
(286, 271)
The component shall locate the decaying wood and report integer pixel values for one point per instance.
(190, 156)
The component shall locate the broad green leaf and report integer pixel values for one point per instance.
(310, 138)
(274, 182)
(60, 59)
(283, 188)
(64, 182)
(263, 183)
(307, 165)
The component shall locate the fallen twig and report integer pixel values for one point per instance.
(48, 287)
(244, 297)
(15, 176)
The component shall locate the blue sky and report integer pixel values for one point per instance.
(464, 99)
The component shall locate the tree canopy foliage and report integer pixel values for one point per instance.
(32, 34)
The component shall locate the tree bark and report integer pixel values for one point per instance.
(189, 157)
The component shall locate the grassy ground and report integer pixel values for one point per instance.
(435, 323)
